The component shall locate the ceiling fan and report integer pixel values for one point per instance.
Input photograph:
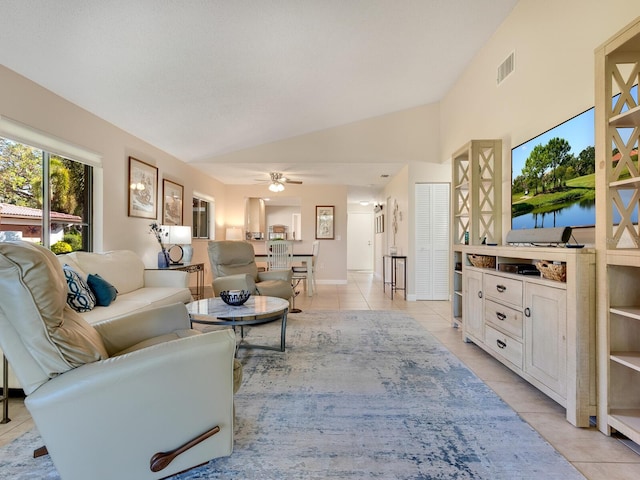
(277, 181)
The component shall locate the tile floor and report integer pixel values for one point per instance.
(595, 455)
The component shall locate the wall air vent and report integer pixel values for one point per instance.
(507, 67)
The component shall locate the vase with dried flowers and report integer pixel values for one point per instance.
(163, 254)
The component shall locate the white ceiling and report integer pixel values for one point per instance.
(202, 78)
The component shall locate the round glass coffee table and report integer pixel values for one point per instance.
(257, 310)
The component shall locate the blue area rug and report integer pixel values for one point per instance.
(358, 395)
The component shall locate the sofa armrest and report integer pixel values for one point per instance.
(135, 405)
(240, 281)
(166, 278)
(283, 274)
(123, 332)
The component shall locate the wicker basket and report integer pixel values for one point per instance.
(552, 271)
(482, 261)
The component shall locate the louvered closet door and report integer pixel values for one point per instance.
(432, 241)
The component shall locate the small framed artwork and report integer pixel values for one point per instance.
(324, 222)
(172, 194)
(143, 189)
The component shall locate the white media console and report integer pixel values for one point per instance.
(542, 329)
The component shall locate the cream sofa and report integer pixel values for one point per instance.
(138, 289)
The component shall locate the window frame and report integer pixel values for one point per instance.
(197, 216)
(49, 145)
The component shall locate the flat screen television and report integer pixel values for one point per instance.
(553, 180)
(553, 177)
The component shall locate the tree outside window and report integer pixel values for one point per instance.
(65, 215)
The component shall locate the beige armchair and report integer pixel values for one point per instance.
(234, 267)
(142, 396)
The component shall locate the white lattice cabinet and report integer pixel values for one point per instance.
(477, 195)
(476, 206)
(617, 234)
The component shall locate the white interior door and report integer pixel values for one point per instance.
(360, 241)
(432, 241)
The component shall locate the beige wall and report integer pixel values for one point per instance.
(411, 136)
(554, 43)
(332, 260)
(26, 102)
(402, 189)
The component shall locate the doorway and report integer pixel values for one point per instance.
(360, 241)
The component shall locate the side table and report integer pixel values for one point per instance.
(393, 282)
(197, 268)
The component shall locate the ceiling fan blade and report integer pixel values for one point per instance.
(294, 182)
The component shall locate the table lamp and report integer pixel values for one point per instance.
(180, 237)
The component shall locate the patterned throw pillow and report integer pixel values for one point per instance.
(79, 295)
(105, 292)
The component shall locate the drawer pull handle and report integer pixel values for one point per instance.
(527, 312)
(501, 316)
(501, 344)
(480, 294)
(501, 288)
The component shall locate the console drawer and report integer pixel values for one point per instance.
(504, 345)
(503, 289)
(503, 318)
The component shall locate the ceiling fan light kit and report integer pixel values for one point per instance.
(276, 186)
(278, 180)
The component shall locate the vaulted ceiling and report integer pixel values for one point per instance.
(201, 79)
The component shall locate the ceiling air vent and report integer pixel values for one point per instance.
(507, 67)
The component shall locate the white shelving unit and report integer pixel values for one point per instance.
(456, 284)
(617, 234)
(476, 206)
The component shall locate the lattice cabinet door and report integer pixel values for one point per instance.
(618, 104)
(477, 194)
(461, 177)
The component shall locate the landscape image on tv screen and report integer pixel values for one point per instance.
(553, 177)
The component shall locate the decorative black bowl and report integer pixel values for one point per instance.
(235, 297)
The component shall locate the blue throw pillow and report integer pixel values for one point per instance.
(79, 295)
(105, 292)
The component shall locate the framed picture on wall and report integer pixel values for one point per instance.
(172, 194)
(324, 222)
(143, 189)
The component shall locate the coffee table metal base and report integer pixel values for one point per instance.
(248, 322)
(258, 311)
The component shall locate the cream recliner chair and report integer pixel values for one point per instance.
(118, 399)
(234, 268)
